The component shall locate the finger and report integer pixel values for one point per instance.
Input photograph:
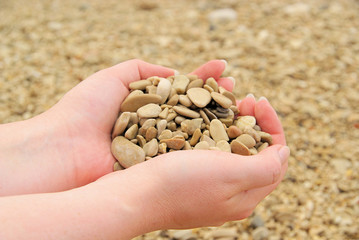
(246, 107)
(268, 120)
(227, 83)
(213, 68)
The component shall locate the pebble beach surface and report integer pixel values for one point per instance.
(302, 55)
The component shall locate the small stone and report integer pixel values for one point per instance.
(233, 132)
(208, 88)
(164, 89)
(166, 134)
(198, 83)
(199, 96)
(133, 118)
(186, 112)
(180, 83)
(222, 15)
(184, 100)
(224, 232)
(217, 131)
(161, 126)
(212, 83)
(257, 221)
(121, 124)
(172, 126)
(135, 141)
(189, 126)
(117, 166)
(172, 93)
(151, 133)
(257, 128)
(148, 123)
(131, 133)
(141, 140)
(151, 89)
(151, 148)
(265, 137)
(205, 117)
(262, 147)
(252, 132)
(235, 109)
(248, 121)
(171, 116)
(260, 233)
(162, 148)
(183, 234)
(127, 153)
(132, 103)
(209, 140)
(164, 113)
(209, 114)
(179, 119)
(180, 133)
(220, 114)
(195, 137)
(150, 110)
(202, 145)
(253, 151)
(140, 85)
(192, 77)
(173, 100)
(230, 96)
(135, 93)
(174, 143)
(247, 140)
(224, 146)
(187, 146)
(221, 100)
(239, 148)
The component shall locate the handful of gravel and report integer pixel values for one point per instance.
(182, 112)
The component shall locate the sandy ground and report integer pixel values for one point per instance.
(302, 55)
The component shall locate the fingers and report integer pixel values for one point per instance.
(212, 68)
(227, 83)
(246, 106)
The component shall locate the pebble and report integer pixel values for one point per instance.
(162, 148)
(209, 114)
(150, 110)
(161, 126)
(151, 148)
(174, 143)
(166, 134)
(148, 123)
(187, 146)
(217, 131)
(121, 124)
(140, 85)
(195, 137)
(205, 117)
(223, 14)
(171, 116)
(164, 89)
(265, 137)
(141, 140)
(202, 145)
(133, 119)
(260, 233)
(199, 97)
(221, 100)
(247, 140)
(131, 132)
(132, 103)
(223, 232)
(126, 152)
(212, 83)
(173, 100)
(198, 83)
(208, 88)
(184, 100)
(208, 139)
(186, 112)
(223, 145)
(262, 147)
(151, 133)
(233, 131)
(164, 113)
(189, 126)
(230, 96)
(239, 148)
(151, 89)
(179, 119)
(257, 221)
(180, 84)
(248, 121)
(117, 166)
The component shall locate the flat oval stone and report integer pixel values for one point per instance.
(131, 132)
(126, 152)
(198, 83)
(141, 140)
(247, 140)
(199, 97)
(239, 148)
(166, 134)
(224, 146)
(209, 140)
(230, 95)
(151, 148)
(150, 110)
(140, 85)
(217, 130)
(221, 100)
(174, 143)
(201, 146)
(209, 114)
(233, 131)
(184, 100)
(133, 103)
(151, 133)
(187, 146)
(161, 126)
(212, 83)
(151, 89)
(195, 137)
(248, 121)
(263, 146)
(164, 89)
(164, 113)
(173, 100)
(121, 124)
(180, 83)
(186, 112)
(205, 117)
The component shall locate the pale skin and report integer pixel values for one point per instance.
(56, 180)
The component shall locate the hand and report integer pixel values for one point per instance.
(69, 145)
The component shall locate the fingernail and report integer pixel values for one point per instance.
(262, 98)
(283, 154)
(176, 73)
(225, 63)
(250, 95)
(233, 80)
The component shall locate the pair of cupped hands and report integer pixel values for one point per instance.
(65, 154)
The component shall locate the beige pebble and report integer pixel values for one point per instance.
(132, 103)
(147, 158)
(201, 146)
(252, 132)
(263, 146)
(151, 89)
(208, 139)
(164, 89)
(151, 148)
(221, 100)
(198, 83)
(224, 146)
(161, 126)
(117, 166)
(206, 132)
(135, 93)
(199, 97)
(217, 131)
(184, 100)
(186, 112)
(208, 88)
(162, 148)
(204, 116)
(140, 85)
(141, 140)
(172, 93)
(212, 83)
(166, 134)
(151, 133)
(195, 137)
(148, 123)
(134, 141)
(164, 113)
(121, 124)
(248, 121)
(192, 77)
(209, 114)
(220, 233)
(189, 126)
(179, 133)
(187, 146)
(150, 110)
(127, 153)
(253, 151)
(215, 148)
(131, 132)
(257, 128)
(174, 143)
(239, 148)
(172, 126)
(171, 116)
(247, 140)
(173, 100)
(226, 121)
(180, 83)
(235, 109)
(133, 119)
(265, 137)
(179, 119)
(230, 96)
(154, 80)
(233, 131)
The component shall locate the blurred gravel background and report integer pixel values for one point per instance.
(302, 55)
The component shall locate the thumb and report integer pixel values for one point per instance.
(260, 170)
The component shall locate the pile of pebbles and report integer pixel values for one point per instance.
(182, 112)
